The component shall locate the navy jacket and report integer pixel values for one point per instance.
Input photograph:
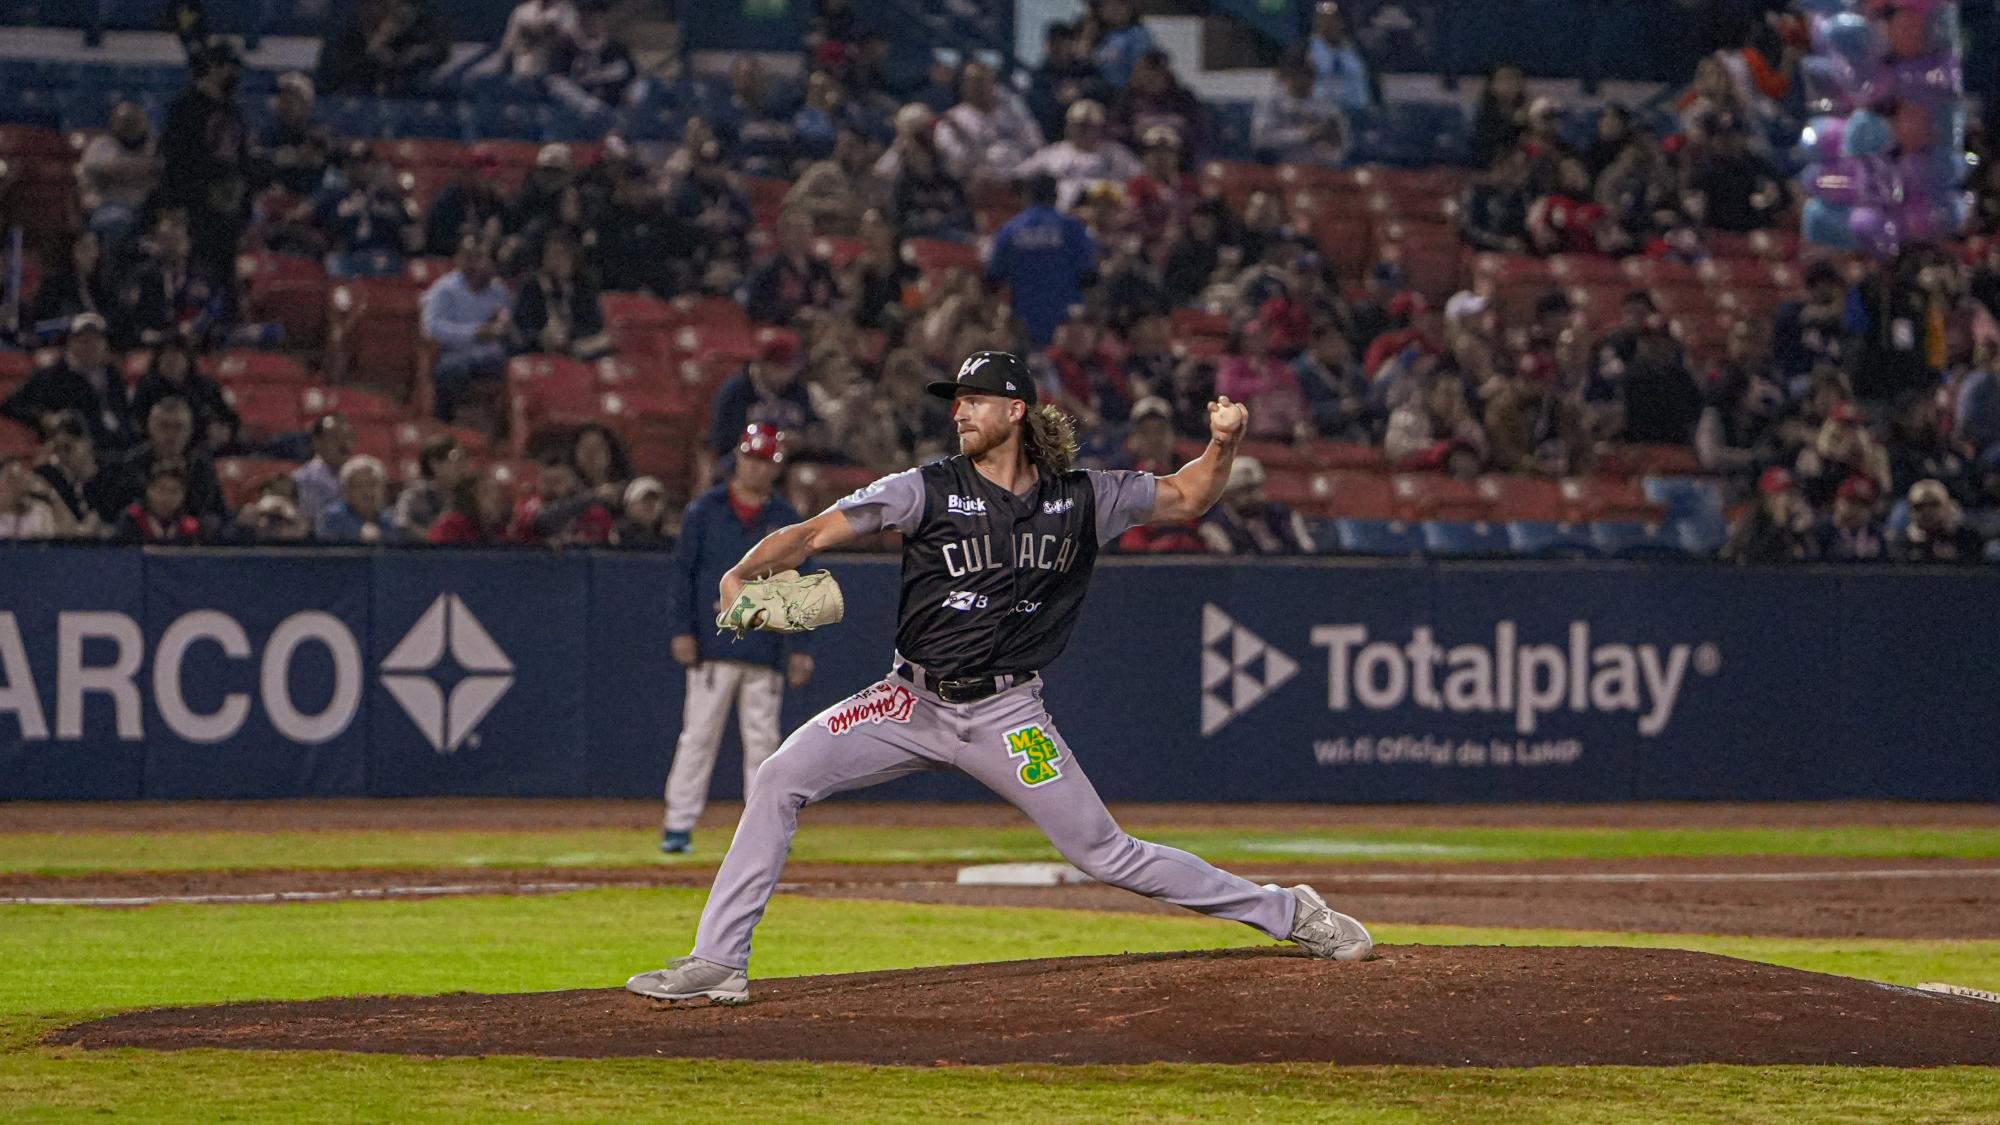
(713, 540)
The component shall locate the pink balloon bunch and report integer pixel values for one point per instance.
(1886, 79)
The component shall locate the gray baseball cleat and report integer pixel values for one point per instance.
(1324, 931)
(691, 978)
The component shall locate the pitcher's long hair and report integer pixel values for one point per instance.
(1048, 437)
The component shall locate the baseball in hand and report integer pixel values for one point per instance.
(1226, 419)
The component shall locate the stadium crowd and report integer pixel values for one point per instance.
(1078, 221)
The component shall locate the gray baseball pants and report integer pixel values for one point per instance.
(1008, 742)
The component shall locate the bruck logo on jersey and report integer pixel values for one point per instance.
(965, 506)
(1057, 507)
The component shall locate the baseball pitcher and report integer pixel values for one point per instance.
(999, 544)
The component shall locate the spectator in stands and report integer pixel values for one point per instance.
(652, 249)
(987, 135)
(1245, 522)
(832, 193)
(470, 206)
(1493, 213)
(1251, 375)
(599, 457)
(1161, 198)
(1067, 75)
(1976, 410)
(1569, 219)
(1205, 248)
(362, 514)
(919, 421)
(1131, 288)
(793, 279)
(1122, 41)
(84, 380)
(563, 513)
(718, 209)
(169, 291)
(818, 124)
(643, 526)
(1334, 386)
(1893, 346)
(1852, 533)
(68, 467)
(1404, 336)
(204, 163)
(1149, 448)
(928, 201)
(593, 71)
(1712, 96)
(1614, 135)
(170, 443)
(385, 47)
(1434, 431)
(1155, 99)
(1937, 532)
(118, 171)
(766, 393)
(716, 531)
(1342, 73)
(874, 282)
(371, 225)
(468, 314)
(536, 34)
(1777, 530)
(1293, 125)
(1727, 186)
(1737, 435)
(440, 468)
(752, 121)
(1919, 449)
(162, 516)
(913, 125)
(1648, 379)
(1082, 373)
(27, 504)
(1542, 141)
(79, 282)
(319, 479)
(558, 312)
(1532, 427)
(1808, 331)
(1842, 448)
(1045, 259)
(1083, 159)
(1502, 114)
(174, 374)
(541, 192)
(477, 516)
(273, 517)
(292, 149)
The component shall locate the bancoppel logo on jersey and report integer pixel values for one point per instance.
(965, 601)
(1057, 507)
(964, 506)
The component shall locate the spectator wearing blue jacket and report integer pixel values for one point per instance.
(1123, 42)
(718, 529)
(1046, 258)
(1342, 74)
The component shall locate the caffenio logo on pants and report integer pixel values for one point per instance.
(1512, 676)
(410, 673)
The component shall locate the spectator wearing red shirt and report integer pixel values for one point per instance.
(1251, 375)
(1568, 220)
(562, 512)
(1089, 379)
(1163, 197)
(477, 516)
(1404, 331)
(162, 517)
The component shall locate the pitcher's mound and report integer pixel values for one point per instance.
(1449, 1006)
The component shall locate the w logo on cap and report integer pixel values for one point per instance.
(972, 365)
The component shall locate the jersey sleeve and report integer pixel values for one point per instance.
(894, 503)
(1124, 501)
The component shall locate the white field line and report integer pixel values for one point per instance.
(451, 889)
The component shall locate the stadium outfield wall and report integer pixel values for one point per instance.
(127, 674)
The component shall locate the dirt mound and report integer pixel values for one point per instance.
(1449, 1006)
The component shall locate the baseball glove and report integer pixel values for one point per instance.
(788, 602)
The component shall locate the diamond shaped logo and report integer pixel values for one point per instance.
(409, 673)
(1238, 669)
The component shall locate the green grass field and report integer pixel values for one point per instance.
(67, 963)
(74, 853)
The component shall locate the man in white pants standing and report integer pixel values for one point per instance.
(719, 526)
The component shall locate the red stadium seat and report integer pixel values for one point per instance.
(266, 409)
(17, 440)
(1434, 496)
(372, 335)
(544, 391)
(933, 255)
(288, 291)
(1352, 455)
(701, 341)
(721, 311)
(240, 367)
(1199, 322)
(242, 477)
(423, 152)
(1584, 269)
(1590, 499)
(1236, 181)
(837, 251)
(1346, 239)
(377, 439)
(352, 403)
(1536, 499)
(1357, 495)
(17, 141)
(1332, 181)
(1664, 460)
(642, 388)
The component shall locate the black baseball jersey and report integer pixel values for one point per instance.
(992, 581)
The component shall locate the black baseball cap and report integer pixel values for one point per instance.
(993, 373)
